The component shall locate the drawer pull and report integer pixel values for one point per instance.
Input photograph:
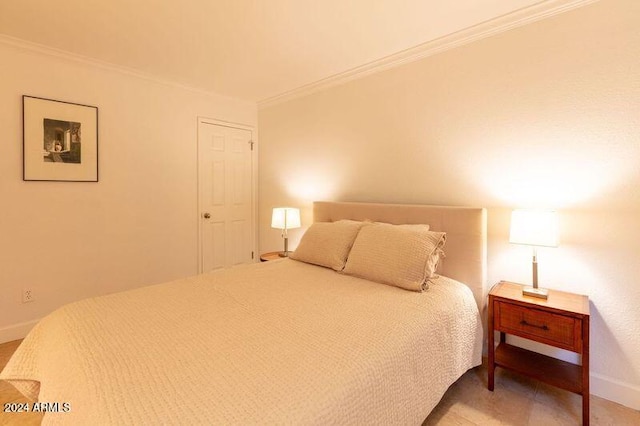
(543, 327)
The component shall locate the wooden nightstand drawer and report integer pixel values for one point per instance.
(557, 330)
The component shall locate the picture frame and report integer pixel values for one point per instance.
(59, 140)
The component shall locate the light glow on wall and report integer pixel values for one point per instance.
(556, 173)
(546, 185)
(312, 180)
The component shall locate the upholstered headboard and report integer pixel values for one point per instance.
(466, 228)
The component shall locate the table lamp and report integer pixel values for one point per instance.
(285, 218)
(534, 228)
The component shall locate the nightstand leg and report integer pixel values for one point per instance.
(491, 349)
(491, 376)
(585, 372)
(585, 409)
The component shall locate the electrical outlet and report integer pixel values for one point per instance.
(27, 295)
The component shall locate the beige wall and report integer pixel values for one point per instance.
(138, 225)
(541, 116)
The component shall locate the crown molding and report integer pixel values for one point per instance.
(518, 18)
(539, 11)
(108, 66)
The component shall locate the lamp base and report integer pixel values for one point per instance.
(283, 254)
(540, 293)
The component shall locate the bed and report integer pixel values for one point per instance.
(285, 342)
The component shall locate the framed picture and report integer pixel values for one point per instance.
(60, 140)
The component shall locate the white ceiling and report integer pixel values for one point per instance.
(249, 49)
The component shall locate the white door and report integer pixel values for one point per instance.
(225, 195)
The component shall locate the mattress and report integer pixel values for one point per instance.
(279, 342)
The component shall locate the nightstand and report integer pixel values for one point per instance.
(272, 255)
(561, 321)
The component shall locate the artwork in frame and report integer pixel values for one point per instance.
(60, 140)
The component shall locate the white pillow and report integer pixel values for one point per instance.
(398, 255)
(327, 243)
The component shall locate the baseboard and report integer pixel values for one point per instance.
(615, 390)
(16, 331)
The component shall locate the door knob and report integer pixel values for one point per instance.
(207, 216)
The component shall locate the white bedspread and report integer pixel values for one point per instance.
(280, 342)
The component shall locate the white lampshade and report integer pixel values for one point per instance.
(285, 218)
(534, 228)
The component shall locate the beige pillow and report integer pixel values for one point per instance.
(398, 255)
(327, 243)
